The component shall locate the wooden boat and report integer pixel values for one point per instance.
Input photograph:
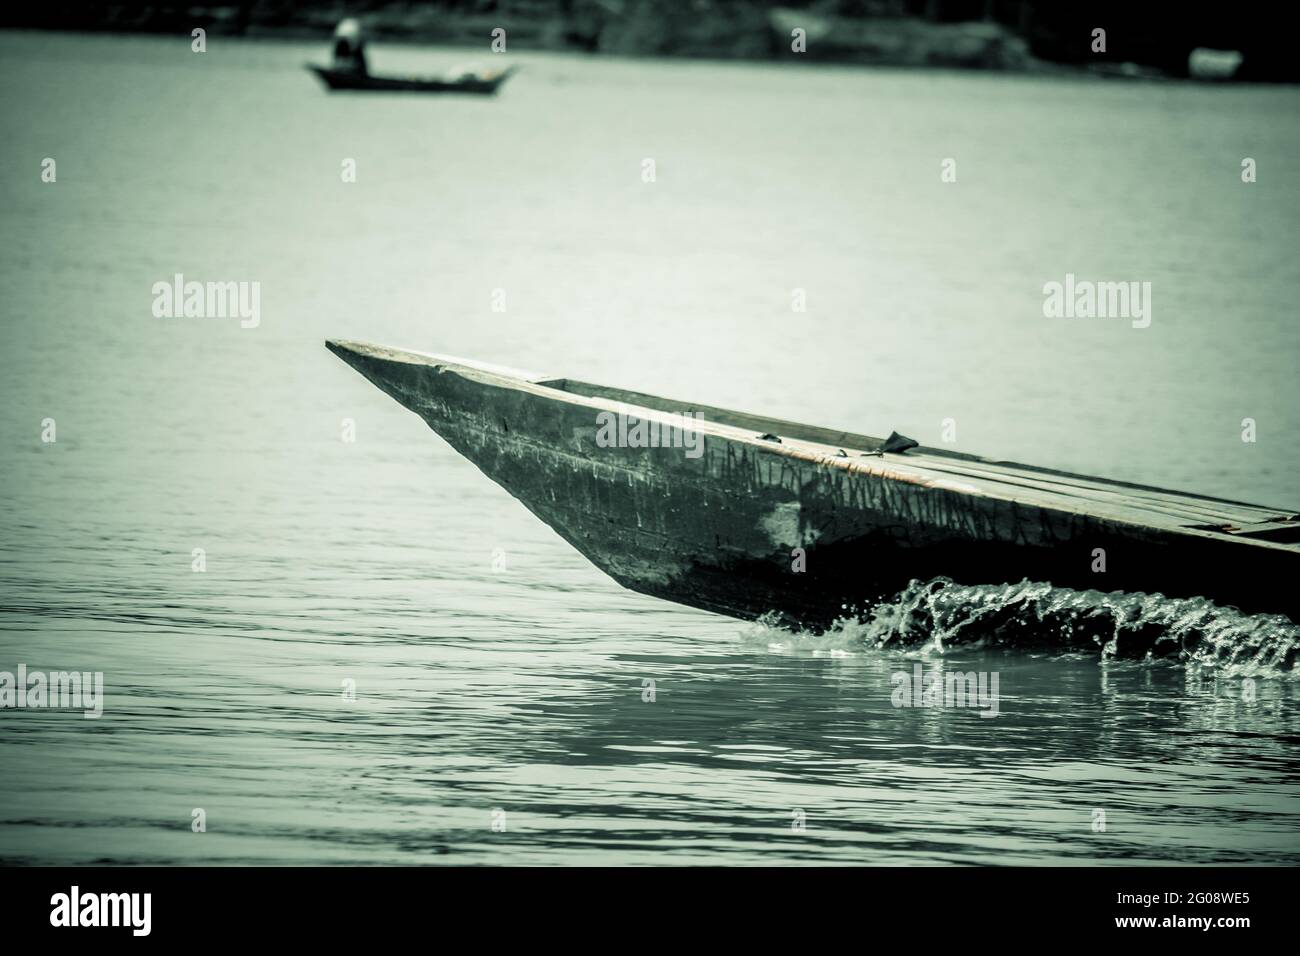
(812, 523)
(351, 80)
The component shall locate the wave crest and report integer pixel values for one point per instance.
(939, 613)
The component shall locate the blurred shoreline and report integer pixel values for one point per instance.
(1001, 35)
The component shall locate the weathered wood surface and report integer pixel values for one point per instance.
(720, 531)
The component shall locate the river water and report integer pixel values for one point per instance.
(502, 709)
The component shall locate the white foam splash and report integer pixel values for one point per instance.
(932, 615)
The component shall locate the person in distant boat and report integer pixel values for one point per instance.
(349, 47)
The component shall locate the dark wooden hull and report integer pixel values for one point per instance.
(719, 531)
(370, 83)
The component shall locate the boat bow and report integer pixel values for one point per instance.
(768, 515)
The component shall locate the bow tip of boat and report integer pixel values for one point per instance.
(384, 367)
(356, 354)
(343, 347)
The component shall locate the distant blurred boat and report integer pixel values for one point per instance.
(367, 82)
